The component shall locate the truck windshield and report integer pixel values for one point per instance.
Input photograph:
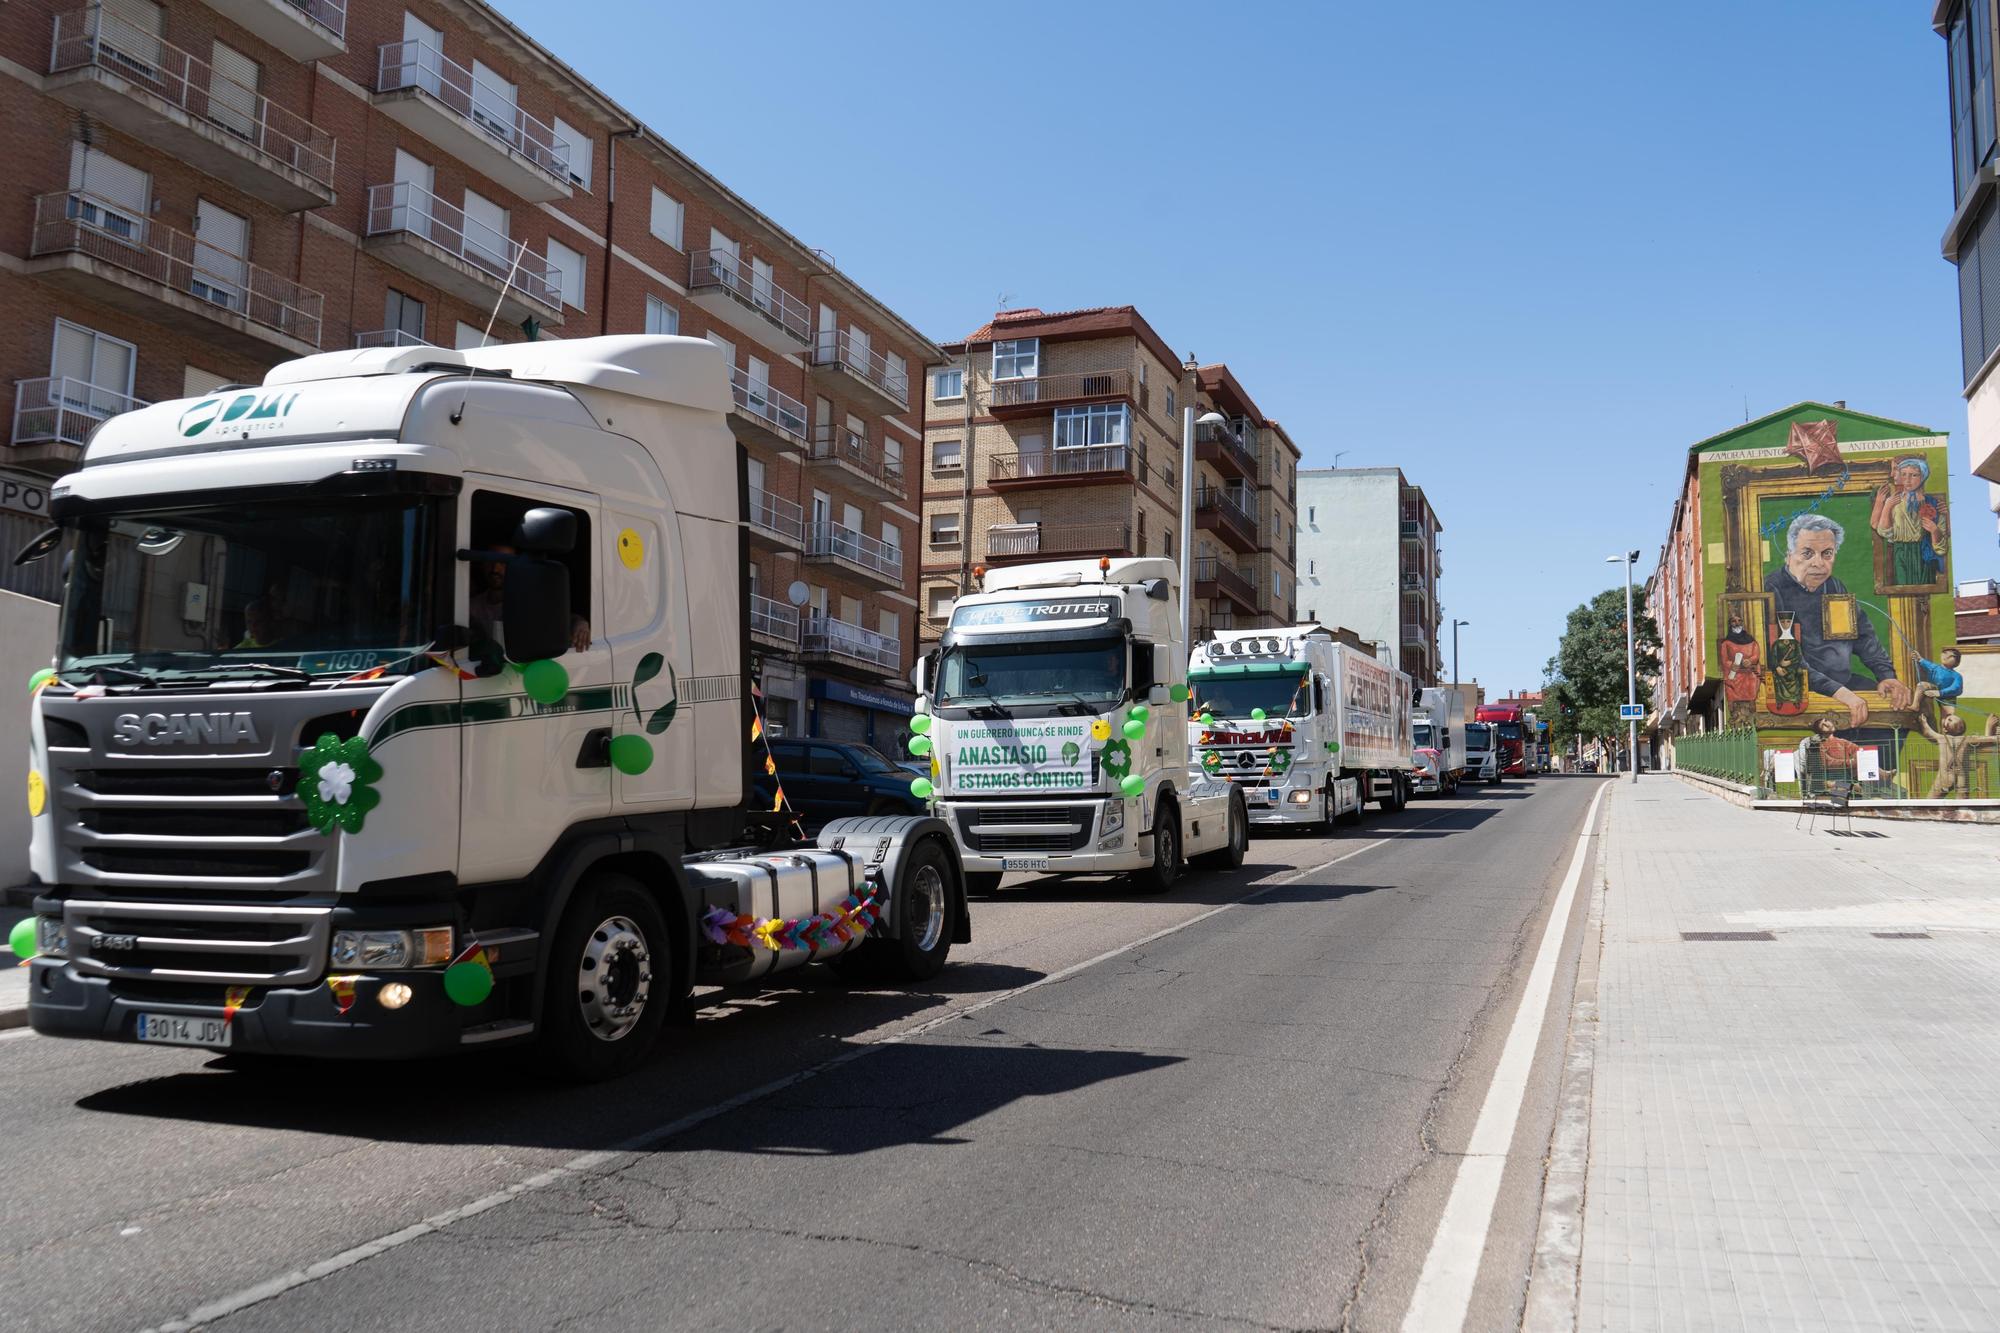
(318, 588)
(1237, 696)
(1091, 672)
(1421, 734)
(1478, 736)
(1510, 731)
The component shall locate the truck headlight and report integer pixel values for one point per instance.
(1111, 828)
(427, 947)
(51, 940)
(1303, 797)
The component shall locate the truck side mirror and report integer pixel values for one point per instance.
(1163, 664)
(534, 607)
(1159, 695)
(546, 530)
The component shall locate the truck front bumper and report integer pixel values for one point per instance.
(276, 1020)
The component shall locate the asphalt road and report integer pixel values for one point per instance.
(1249, 1121)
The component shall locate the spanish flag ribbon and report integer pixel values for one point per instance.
(343, 992)
(439, 659)
(233, 999)
(474, 952)
(756, 728)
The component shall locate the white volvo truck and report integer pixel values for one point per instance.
(1058, 743)
(400, 710)
(1306, 727)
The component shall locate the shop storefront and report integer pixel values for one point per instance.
(24, 515)
(872, 714)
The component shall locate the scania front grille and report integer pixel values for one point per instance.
(198, 942)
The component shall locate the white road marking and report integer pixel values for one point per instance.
(1444, 1289)
(586, 1163)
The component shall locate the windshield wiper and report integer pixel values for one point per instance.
(261, 668)
(122, 673)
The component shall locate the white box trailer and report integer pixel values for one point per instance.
(1307, 727)
(1437, 727)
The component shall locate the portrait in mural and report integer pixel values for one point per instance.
(1910, 523)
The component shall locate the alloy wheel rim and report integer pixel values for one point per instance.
(614, 977)
(928, 886)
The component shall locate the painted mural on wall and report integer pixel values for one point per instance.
(1831, 612)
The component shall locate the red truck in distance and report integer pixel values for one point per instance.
(1511, 731)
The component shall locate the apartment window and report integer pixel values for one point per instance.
(947, 385)
(728, 347)
(890, 624)
(404, 314)
(892, 536)
(568, 265)
(944, 529)
(940, 600)
(1094, 424)
(196, 382)
(1312, 513)
(661, 317)
(486, 234)
(947, 455)
(1312, 566)
(468, 336)
(896, 369)
(1017, 358)
(668, 215)
(85, 360)
(1277, 584)
(1969, 52)
(1171, 414)
(222, 240)
(1167, 542)
(107, 194)
(494, 103)
(580, 154)
(892, 454)
(233, 79)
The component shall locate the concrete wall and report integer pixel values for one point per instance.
(27, 642)
(1349, 550)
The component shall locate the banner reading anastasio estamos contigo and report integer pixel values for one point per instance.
(1047, 756)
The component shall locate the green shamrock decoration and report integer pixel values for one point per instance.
(1211, 761)
(1116, 758)
(337, 782)
(1280, 760)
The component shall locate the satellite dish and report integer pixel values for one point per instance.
(798, 594)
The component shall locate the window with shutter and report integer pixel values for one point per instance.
(221, 240)
(232, 92)
(109, 195)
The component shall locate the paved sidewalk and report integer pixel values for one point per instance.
(1801, 1132)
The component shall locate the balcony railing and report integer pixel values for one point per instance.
(837, 444)
(420, 65)
(1213, 501)
(773, 408)
(773, 619)
(838, 349)
(1015, 541)
(72, 221)
(825, 635)
(722, 271)
(328, 14)
(1226, 581)
(389, 338)
(1223, 443)
(400, 206)
(59, 410)
(1097, 461)
(838, 541)
(1048, 390)
(778, 516)
(97, 38)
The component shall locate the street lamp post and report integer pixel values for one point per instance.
(1188, 424)
(1455, 677)
(1631, 676)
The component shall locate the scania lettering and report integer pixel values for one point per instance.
(324, 771)
(1306, 728)
(1057, 706)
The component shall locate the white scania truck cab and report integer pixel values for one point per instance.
(1307, 728)
(1059, 744)
(400, 710)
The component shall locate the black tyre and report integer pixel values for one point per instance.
(1399, 793)
(1230, 854)
(926, 911)
(610, 981)
(1494, 781)
(1329, 813)
(1166, 867)
(1360, 803)
(982, 883)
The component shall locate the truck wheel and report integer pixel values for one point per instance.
(1230, 854)
(982, 883)
(1399, 795)
(1329, 810)
(1166, 867)
(604, 1004)
(924, 908)
(1360, 802)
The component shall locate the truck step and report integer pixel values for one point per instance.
(500, 1030)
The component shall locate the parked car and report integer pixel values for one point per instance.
(1588, 766)
(828, 780)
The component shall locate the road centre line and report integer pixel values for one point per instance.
(1443, 1295)
(591, 1161)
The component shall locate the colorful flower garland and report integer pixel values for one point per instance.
(852, 920)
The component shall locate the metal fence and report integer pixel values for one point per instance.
(1731, 755)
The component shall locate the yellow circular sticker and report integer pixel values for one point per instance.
(631, 548)
(38, 793)
(1100, 730)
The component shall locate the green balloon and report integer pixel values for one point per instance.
(631, 754)
(1133, 728)
(1140, 711)
(1132, 784)
(921, 723)
(1256, 715)
(546, 681)
(468, 983)
(21, 939)
(1208, 719)
(920, 745)
(36, 681)
(1178, 694)
(921, 789)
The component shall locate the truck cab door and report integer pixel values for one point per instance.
(522, 782)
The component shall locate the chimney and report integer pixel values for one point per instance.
(1840, 402)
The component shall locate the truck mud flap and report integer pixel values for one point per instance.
(881, 845)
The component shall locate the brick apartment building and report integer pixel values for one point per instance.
(1058, 436)
(1369, 559)
(200, 190)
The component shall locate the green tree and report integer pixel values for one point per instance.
(1586, 677)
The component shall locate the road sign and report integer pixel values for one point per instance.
(1631, 712)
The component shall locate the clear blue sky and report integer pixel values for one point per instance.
(1526, 253)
